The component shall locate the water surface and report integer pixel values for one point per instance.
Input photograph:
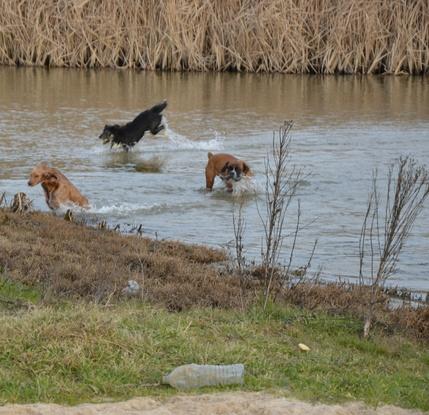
(344, 127)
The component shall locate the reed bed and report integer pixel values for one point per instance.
(287, 36)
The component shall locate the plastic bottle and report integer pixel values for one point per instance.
(194, 376)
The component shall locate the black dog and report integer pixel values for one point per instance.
(130, 134)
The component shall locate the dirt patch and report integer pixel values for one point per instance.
(223, 403)
(72, 260)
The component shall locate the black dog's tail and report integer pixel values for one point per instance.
(159, 107)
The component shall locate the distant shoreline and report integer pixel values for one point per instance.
(268, 36)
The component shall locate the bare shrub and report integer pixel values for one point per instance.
(387, 225)
(281, 184)
(239, 227)
(282, 181)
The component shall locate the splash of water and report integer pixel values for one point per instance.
(182, 142)
(125, 208)
(247, 185)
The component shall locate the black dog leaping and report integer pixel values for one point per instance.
(129, 134)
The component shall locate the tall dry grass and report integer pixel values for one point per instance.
(289, 36)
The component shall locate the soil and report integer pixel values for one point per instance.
(240, 403)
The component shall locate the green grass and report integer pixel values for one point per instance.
(15, 295)
(72, 353)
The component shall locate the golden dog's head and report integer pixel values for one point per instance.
(41, 173)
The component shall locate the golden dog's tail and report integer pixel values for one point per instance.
(209, 155)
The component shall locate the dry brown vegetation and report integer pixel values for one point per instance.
(70, 260)
(288, 36)
(340, 299)
(407, 190)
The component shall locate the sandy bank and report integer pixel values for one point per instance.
(221, 403)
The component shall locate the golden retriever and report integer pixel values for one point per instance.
(58, 189)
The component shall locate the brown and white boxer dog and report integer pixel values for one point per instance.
(229, 168)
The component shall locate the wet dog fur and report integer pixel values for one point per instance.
(58, 189)
(129, 134)
(229, 168)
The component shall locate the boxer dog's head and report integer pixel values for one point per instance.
(234, 170)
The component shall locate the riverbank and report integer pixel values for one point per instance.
(70, 260)
(350, 36)
(70, 335)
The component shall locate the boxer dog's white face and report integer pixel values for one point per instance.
(231, 172)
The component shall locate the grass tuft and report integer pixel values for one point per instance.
(14, 295)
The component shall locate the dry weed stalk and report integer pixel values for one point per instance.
(281, 185)
(406, 193)
(350, 36)
(21, 203)
(239, 226)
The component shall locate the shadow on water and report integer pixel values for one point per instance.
(152, 165)
(134, 161)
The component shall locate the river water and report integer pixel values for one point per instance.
(344, 128)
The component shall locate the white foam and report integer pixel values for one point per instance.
(125, 208)
(175, 140)
(63, 208)
(246, 185)
(106, 149)
(182, 142)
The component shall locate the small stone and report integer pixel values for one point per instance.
(131, 289)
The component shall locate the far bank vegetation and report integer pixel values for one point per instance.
(286, 36)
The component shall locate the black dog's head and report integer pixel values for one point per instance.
(109, 133)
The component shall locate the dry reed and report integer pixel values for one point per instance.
(288, 36)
